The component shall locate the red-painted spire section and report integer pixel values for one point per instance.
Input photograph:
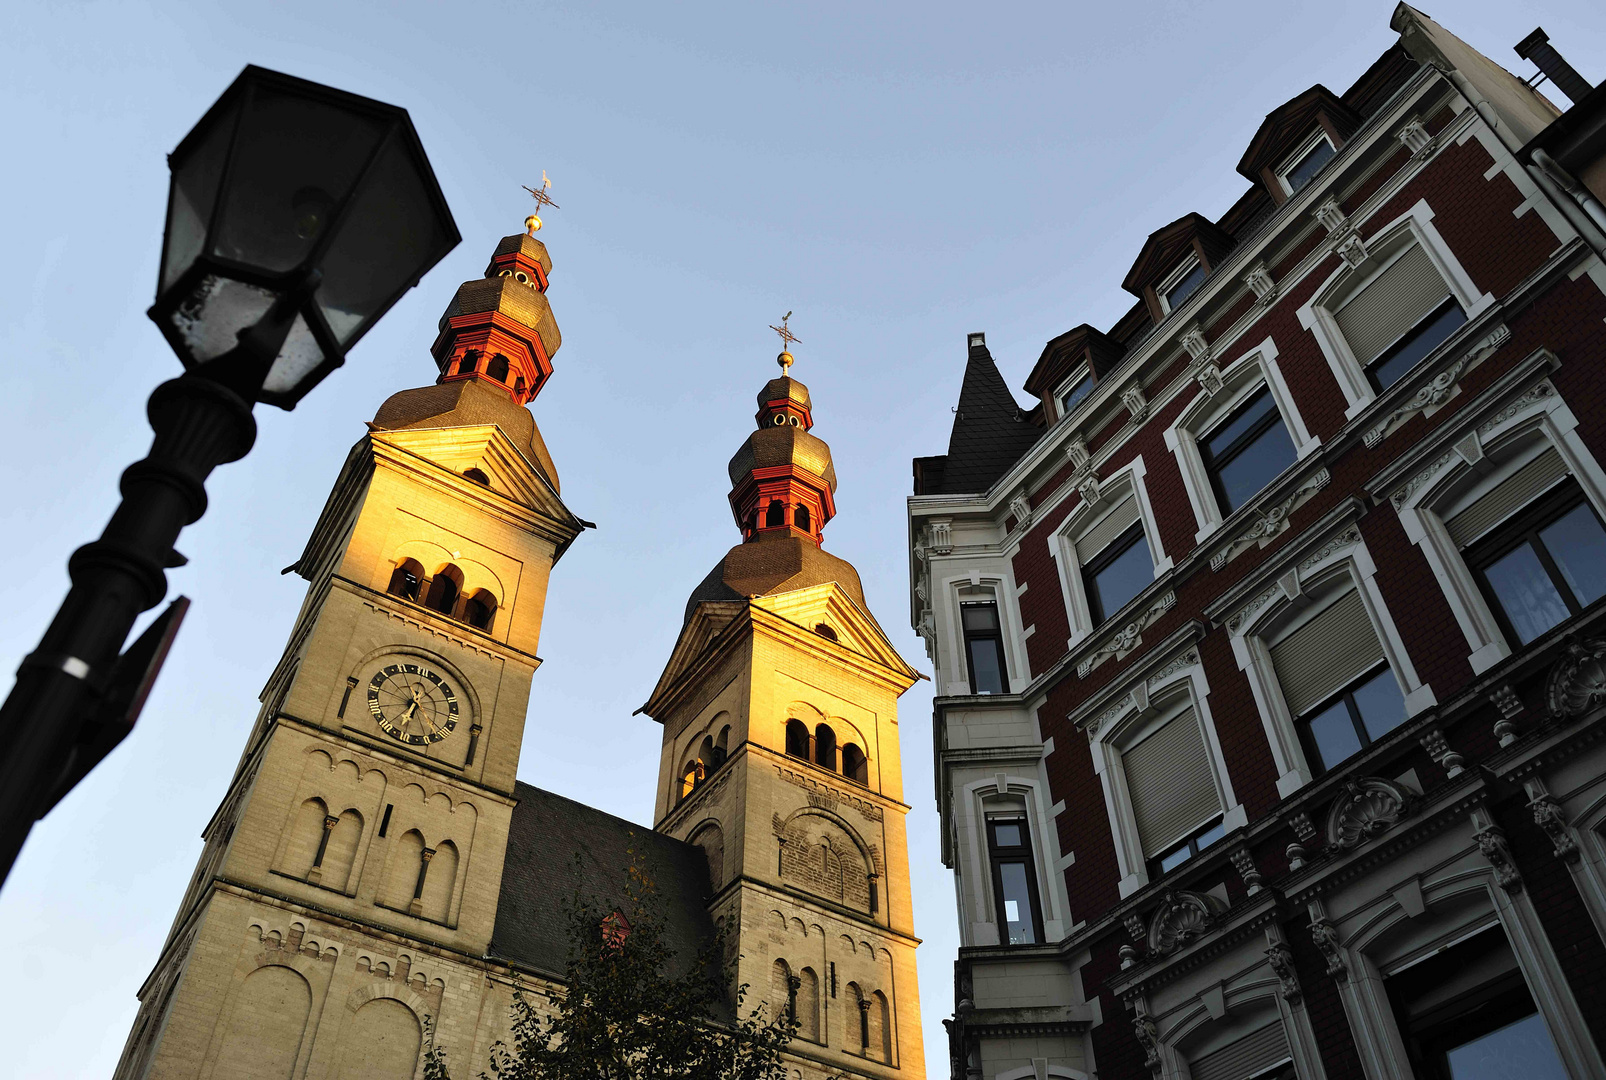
(499, 329)
(783, 482)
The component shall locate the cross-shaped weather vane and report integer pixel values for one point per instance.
(787, 339)
(542, 200)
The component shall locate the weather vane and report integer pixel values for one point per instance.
(542, 200)
(787, 338)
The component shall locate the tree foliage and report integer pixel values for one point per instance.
(633, 1009)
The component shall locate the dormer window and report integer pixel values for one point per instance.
(1181, 284)
(1306, 162)
(1075, 391)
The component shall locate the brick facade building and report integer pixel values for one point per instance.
(1270, 674)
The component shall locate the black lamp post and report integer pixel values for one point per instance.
(297, 215)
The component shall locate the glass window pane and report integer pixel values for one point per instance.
(1183, 289)
(987, 666)
(1257, 465)
(1333, 732)
(1175, 859)
(1309, 165)
(1578, 544)
(979, 616)
(1128, 574)
(1075, 394)
(1258, 408)
(1211, 835)
(1521, 1049)
(1526, 593)
(1006, 834)
(1381, 706)
(1426, 337)
(1016, 902)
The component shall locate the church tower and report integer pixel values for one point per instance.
(349, 883)
(781, 761)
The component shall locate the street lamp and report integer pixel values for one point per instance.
(297, 215)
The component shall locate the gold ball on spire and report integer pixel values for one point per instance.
(532, 224)
(785, 360)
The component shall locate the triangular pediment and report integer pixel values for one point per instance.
(485, 448)
(830, 606)
(708, 622)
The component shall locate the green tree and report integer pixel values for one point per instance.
(629, 1013)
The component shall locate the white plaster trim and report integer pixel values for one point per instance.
(1264, 616)
(970, 825)
(1062, 544)
(1181, 685)
(1000, 582)
(1383, 247)
(1243, 377)
(1505, 428)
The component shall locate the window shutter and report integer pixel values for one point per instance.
(1113, 524)
(1325, 653)
(1506, 497)
(1394, 301)
(1169, 780)
(1246, 1057)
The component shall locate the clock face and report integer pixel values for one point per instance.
(412, 704)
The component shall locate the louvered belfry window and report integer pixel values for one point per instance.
(1391, 304)
(1170, 783)
(1244, 1058)
(1326, 653)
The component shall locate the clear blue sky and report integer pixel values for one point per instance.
(897, 174)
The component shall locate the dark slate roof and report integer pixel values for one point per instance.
(540, 877)
(775, 563)
(990, 431)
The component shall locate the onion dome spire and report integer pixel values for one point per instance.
(782, 480)
(499, 329)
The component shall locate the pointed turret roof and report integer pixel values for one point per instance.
(990, 431)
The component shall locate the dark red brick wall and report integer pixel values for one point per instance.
(1499, 251)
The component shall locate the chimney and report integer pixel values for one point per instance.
(1537, 47)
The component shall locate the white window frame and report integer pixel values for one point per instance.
(1062, 545)
(1009, 628)
(1294, 590)
(1149, 703)
(1082, 372)
(1318, 136)
(1239, 380)
(1538, 415)
(1383, 247)
(1173, 279)
(982, 799)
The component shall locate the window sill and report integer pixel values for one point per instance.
(348, 894)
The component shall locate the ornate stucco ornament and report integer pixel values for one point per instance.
(1495, 848)
(1550, 817)
(1325, 935)
(1442, 387)
(1368, 806)
(1578, 681)
(1148, 1034)
(1271, 521)
(1281, 959)
(1128, 638)
(1181, 918)
(1416, 139)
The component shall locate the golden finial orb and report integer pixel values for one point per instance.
(532, 224)
(785, 360)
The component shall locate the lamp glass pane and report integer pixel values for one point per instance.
(295, 160)
(390, 235)
(211, 317)
(197, 168)
(299, 357)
